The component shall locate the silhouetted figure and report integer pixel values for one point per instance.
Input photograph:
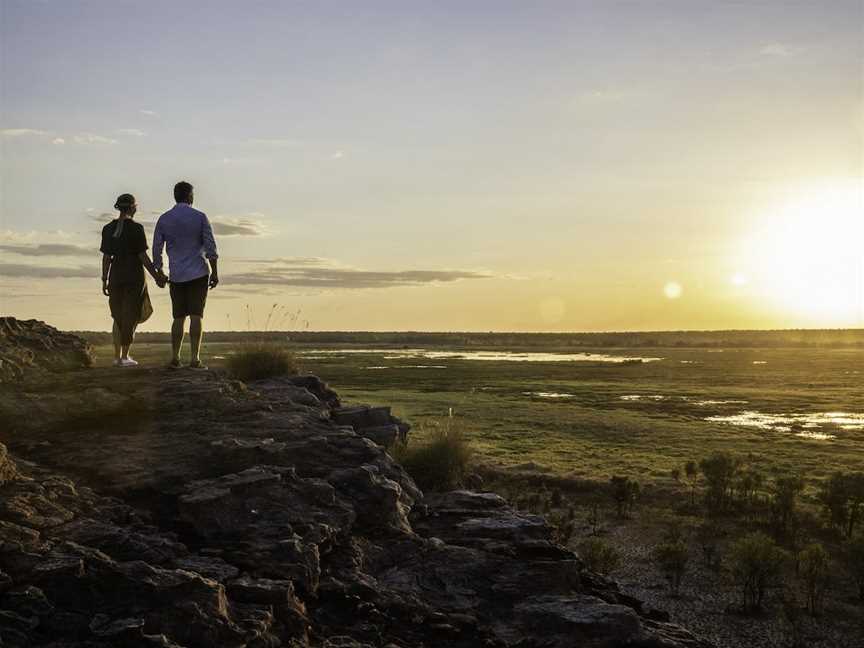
(188, 238)
(124, 257)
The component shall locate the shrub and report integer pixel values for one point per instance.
(672, 559)
(784, 502)
(853, 557)
(842, 495)
(599, 556)
(755, 563)
(562, 528)
(261, 360)
(719, 470)
(442, 462)
(624, 491)
(814, 568)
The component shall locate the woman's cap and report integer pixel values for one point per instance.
(124, 200)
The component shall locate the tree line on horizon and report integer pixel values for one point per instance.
(804, 338)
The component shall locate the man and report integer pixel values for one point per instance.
(188, 238)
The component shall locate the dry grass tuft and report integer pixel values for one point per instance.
(260, 360)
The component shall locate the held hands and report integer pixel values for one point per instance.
(161, 279)
(214, 280)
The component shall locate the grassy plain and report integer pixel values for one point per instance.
(594, 427)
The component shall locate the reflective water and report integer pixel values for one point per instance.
(512, 356)
(816, 425)
(410, 367)
(547, 394)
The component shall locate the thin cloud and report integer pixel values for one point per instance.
(22, 132)
(149, 113)
(92, 138)
(777, 50)
(238, 227)
(292, 261)
(337, 155)
(21, 270)
(48, 249)
(58, 141)
(274, 142)
(346, 278)
(134, 132)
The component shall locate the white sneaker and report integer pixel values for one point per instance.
(128, 362)
(116, 362)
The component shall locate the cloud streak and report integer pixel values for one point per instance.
(48, 249)
(22, 132)
(93, 138)
(26, 271)
(237, 227)
(312, 275)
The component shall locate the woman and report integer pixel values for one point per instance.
(124, 257)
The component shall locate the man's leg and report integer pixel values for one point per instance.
(196, 333)
(177, 337)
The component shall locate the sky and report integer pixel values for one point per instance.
(473, 166)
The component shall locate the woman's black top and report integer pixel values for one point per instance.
(126, 267)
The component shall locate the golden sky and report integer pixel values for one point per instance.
(464, 166)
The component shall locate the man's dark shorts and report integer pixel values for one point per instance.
(189, 297)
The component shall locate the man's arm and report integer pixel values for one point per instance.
(151, 268)
(158, 244)
(210, 250)
(106, 266)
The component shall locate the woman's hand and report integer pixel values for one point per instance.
(105, 290)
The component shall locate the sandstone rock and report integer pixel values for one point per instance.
(563, 621)
(30, 345)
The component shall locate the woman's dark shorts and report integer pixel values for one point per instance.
(189, 297)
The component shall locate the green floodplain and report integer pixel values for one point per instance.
(785, 401)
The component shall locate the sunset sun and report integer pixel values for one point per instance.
(806, 256)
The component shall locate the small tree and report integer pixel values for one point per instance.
(855, 492)
(672, 559)
(755, 564)
(599, 556)
(691, 473)
(793, 614)
(834, 499)
(708, 535)
(719, 469)
(784, 501)
(595, 517)
(624, 492)
(749, 483)
(813, 571)
(853, 558)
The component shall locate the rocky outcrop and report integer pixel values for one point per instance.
(30, 345)
(186, 509)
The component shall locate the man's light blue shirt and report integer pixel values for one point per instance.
(188, 239)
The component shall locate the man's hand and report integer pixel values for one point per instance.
(105, 290)
(161, 279)
(214, 280)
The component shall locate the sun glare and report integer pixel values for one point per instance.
(807, 255)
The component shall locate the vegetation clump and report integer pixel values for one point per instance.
(756, 564)
(261, 360)
(442, 462)
(672, 558)
(599, 556)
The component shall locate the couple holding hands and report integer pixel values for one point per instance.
(187, 236)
